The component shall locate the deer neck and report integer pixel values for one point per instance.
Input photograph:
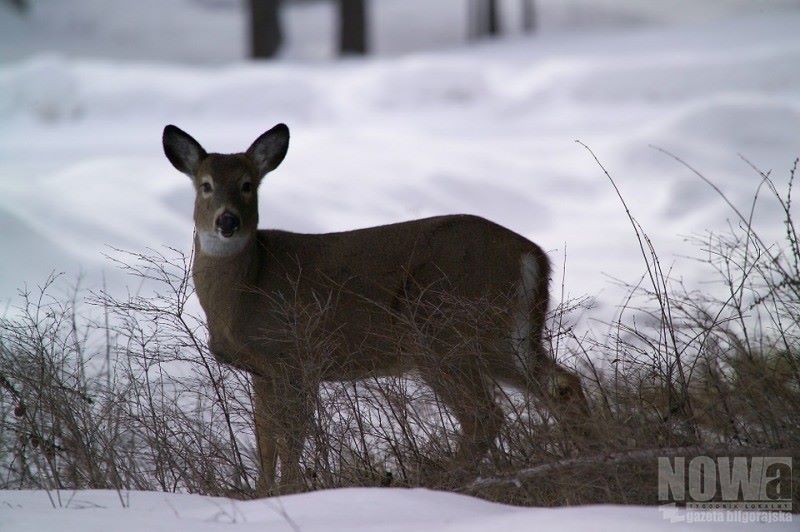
(225, 284)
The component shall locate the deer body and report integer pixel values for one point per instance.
(370, 286)
(471, 256)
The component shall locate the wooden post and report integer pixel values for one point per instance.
(352, 27)
(265, 28)
(492, 22)
(483, 19)
(528, 16)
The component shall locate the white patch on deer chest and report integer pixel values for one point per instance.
(216, 245)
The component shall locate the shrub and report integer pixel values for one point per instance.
(123, 394)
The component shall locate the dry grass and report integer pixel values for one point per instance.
(123, 394)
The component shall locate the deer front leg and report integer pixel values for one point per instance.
(292, 411)
(266, 434)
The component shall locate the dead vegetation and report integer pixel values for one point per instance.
(122, 393)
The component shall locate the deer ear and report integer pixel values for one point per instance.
(268, 151)
(182, 150)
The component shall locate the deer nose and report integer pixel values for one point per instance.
(227, 224)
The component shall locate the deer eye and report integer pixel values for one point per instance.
(205, 187)
(247, 187)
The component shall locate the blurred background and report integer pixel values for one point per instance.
(219, 31)
(398, 109)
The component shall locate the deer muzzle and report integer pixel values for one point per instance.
(227, 224)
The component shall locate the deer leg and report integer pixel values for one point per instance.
(560, 390)
(291, 451)
(572, 408)
(471, 400)
(294, 411)
(566, 391)
(266, 434)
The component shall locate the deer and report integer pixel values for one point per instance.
(243, 274)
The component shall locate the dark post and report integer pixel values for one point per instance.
(528, 16)
(483, 18)
(352, 27)
(19, 5)
(265, 28)
(492, 23)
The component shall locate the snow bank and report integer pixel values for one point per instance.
(487, 130)
(353, 509)
(215, 31)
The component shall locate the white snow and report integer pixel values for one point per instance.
(345, 510)
(86, 88)
(487, 129)
(215, 31)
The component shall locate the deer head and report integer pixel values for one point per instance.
(226, 185)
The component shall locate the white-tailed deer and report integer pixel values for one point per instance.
(373, 281)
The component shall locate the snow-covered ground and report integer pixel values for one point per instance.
(487, 129)
(343, 510)
(215, 31)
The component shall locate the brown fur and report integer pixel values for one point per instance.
(369, 282)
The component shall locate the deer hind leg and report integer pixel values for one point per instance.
(570, 406)
(559, 389)
(531, 368)
(566, 391)
(471, 400)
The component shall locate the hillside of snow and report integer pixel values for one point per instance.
(487, 129)
(342, 510)
(215, 31)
